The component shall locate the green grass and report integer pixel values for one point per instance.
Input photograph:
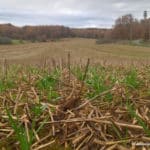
(140, 43)
(16, 42)
(8, 84)
(97, 82)
(100, 81)
(20, 133)
(48, 85)
(133, 114)
(132, 80)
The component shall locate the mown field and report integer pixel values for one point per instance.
(98, 103)
(80, 49)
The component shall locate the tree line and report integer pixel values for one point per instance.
(126, 28)
(129, 28)
(44, 33)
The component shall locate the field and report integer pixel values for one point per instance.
(97, 103)
(80, 50)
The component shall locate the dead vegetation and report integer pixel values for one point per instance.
(80, 49)
(72, 120)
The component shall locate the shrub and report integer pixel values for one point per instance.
(105, 41)
(5, 40)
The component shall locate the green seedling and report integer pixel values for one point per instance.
(46, 83)
(131, 80)
(98, 84)
(20, 132)
(133, 114)
(4, 85)
(52, 95)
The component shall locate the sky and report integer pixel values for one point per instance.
(71, 13)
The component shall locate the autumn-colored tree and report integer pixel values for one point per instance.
(44, 33)
(146, 26)
(124, 27)
(127, 27)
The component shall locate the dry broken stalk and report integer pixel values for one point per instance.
(73, 120)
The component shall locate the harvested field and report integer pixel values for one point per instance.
(80, 49)
(78, 107)
(51, 98)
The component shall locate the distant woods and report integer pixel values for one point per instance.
(129, 28)
(126, 28)
(45, 33)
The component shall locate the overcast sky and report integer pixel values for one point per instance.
(72, 13)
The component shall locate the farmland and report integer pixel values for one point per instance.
(79, 104)
(80, 49)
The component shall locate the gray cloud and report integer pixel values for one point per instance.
(73, 13)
